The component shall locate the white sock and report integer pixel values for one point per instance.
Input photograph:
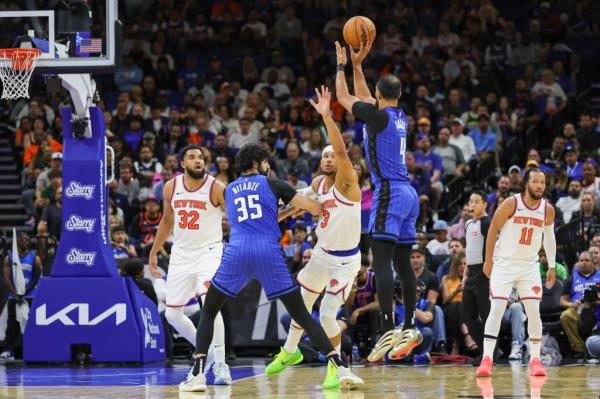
(534, 326)
(535, 348)
(338, 348)
(294, 336)
(489, 344)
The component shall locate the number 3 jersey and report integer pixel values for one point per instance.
(520, 237)
(338, 228)
(197, 219)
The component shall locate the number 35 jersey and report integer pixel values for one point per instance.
(197, 219)
(520, 237)
(338, 228)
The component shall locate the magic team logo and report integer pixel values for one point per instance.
(78, 190)
(78, 257)
(77, 223)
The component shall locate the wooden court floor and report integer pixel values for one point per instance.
(382, 382)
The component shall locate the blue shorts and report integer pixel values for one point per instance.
(245, 259)
(394, 212)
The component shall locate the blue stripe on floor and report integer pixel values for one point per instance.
(108, 376)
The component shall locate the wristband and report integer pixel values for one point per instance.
(552, 267)
(340, 67)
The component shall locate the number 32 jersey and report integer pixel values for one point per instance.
(197, 218)
(521, 235)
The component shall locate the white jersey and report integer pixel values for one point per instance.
(197, 220)
(338, 228)
(520, 237)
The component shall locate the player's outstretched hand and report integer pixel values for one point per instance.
(359, 56)
(153, 265)
(550, 278)
(487, 268)
(324, 99)
(340, 53)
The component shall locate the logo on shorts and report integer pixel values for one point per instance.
(207, 284)
(333, 283)
(77, 256)
(77, 223)
(76, 189)
(537, 289)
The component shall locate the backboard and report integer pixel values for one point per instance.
(75, 36)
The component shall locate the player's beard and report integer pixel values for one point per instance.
(534, 195)
(195, 175)
(262, 171)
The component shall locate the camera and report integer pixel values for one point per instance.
(590, 295)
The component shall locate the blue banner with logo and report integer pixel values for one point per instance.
(85, 301)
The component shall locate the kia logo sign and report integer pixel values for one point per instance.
(76, 189)
(77, 223)
(83, 315)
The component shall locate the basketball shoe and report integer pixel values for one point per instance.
(387, 341)
(194, 383)
(222, 375)
(282, 360)
(485, 368)
(536, 368)
(341, 377)
(410, 339)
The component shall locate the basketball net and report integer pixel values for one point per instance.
(15, 71)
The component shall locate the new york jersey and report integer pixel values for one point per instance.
(521, 235)
(338, 228)
(197, 218)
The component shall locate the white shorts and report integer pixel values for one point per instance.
(334, 274)
(524, 276)
(189, 276)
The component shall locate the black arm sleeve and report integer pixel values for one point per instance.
(485, 225)
(375, 119)
(282, 190)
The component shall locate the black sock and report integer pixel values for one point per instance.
(335, 358)
(199, 362)
(384, 280)
(409, 283)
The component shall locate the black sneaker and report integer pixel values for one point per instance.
(441, 348)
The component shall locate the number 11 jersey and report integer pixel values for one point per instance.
(197, 219)
(520, 237)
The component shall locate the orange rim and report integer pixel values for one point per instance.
(20, 57)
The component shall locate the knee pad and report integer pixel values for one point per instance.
(328, 312)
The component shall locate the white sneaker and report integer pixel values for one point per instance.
(385, 343)
(7, 355)
(348, 380)
(222, 375)
(515, 351)
(193, 383)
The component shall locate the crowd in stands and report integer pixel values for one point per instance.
(490, 89)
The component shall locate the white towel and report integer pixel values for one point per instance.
(22, 309)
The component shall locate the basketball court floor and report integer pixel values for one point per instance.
(381, 382)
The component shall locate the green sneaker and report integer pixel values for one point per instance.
(331, 379)
(282, 360)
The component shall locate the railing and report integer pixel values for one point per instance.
(485, 171)
(454, 192)
(570, 241)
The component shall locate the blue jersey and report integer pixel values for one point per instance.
(252, 207)
(27, 265)
(386, 149)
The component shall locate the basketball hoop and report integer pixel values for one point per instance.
(16, 67)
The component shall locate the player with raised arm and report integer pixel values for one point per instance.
(395, 202)
(254, 251)
(518, 228)
(336, 258)
(193, 209)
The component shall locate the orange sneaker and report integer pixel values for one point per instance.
(485, 368)
(536, 368)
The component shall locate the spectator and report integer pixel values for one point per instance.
(145, 224)
(175, 140)
(157, 189)
(421, 184)
(128, 74)
(514, 175)
(293, 159)
(452, 158)
(561, 272)
(293, 179)
(514, 315)
(484, 138)
(31, 267)
(244, 136)
(549, 96)
(285, 74)
(133, 135)
(188, 76)
(462, 141)
(431, 163)
(498, 55)
(502, 190)
(225, 172)
(453, 66)
(583, 278)
(147, 166)
(590, 182)
(128, 184)
(587, 216)
(50, 224)
(294, 250)
(571, 203)
(120, 245)
(457, 230)
(431, 284)
(135, 269)
(222, 149)
(439, 245)
(456, 247)
(289, 27)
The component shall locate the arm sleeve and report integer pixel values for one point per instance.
(375, 119)
(485, 225)
(282, 190)
(307, 192)
(550, 245)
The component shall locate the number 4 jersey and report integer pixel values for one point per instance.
(197, 218)
(520, 237)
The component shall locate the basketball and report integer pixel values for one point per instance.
(359, 30)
